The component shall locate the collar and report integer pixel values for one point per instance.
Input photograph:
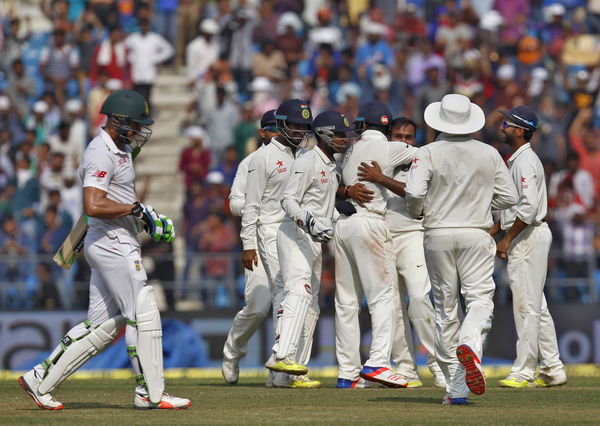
(110, 143)
(518, 152)
(281, 146)
(323, 156)
(454, 138)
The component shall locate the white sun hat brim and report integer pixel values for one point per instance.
(455, 114)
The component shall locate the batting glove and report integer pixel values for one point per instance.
(150, 221)
(168, 228)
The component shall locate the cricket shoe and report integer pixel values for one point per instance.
(544, 381)
(230, 369)
(285, 365)
(168, 402)
(515, 381)
(304, 382)
(412, 379)
(474, 373)
(454, 401)
(30, 384)
(383, 375)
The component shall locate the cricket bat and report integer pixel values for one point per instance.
(69, 251)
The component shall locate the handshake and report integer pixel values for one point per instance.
(159, 226)
(320, 229)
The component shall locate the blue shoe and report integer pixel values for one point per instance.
(348, 384)
(454, 401)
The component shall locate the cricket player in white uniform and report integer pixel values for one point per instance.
(257, 293)
(526, 245)
(118, 291)
(454, 183)
(309, 204)
(413, 279)
(262, 216)
(364, 263)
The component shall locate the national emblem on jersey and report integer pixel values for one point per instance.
(138, 265)
(305, 111)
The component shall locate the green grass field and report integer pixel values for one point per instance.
(109, 401)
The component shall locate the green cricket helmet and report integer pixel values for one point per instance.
(128, 105)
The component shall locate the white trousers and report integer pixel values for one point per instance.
(257, 295)
(527, 266)
(460, 261)
(413, 281)
(267, 250)
(364, 265)
(301, 259)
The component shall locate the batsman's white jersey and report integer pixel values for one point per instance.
(364, 263)
(262, 215)
(454, 182)
(527, 266)
(257, 293)
(413, 280)
(311, 187)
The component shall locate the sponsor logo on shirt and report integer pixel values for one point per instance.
(323, 178)
(281, 168)
(121, 161)
(523, 184)
(99, 175)
(414, 163)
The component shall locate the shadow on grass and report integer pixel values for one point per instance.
(415, 400)
(88, 405)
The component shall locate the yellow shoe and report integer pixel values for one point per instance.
(543, 380)
(414, 383)
(515, 381)
(305, 382)
(285, 365)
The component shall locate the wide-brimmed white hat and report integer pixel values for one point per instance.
(455, 114)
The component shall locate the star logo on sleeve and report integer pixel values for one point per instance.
(414, 163)
(279, 163)
(323, 178)
(280, 167)
(323, 173)
(522, 179)
(523, 184)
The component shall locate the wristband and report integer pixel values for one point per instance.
(137, 209)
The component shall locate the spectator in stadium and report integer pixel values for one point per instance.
(15, 41)
(203, 51)
(583, 139)
(237, 37)
(58, 65)
(220, 123)
(10, 121)
(146, 50)
(47, 295)
(78, 129)
(165, 12)
(195, 159)
(217, 235)
(269, 62)
(325, 32)
(13, 243)
(288, 41)
(228, 167)
(61, 142)
(21, 88)
(245, 131)
(70, 195)
(111, 57)
(573, 176)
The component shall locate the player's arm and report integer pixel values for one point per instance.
(97, 204)
(255, 188)
(526, 209)
(400, 153)
(505, 193)
(417, 183)
(237, 196)
(296, 186)
(373, 173)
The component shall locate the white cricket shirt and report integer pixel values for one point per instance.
(106, 167)
(396, 216)
(267, 173)
(311, 186)
(237, 195)
(145, 52)
(527, 173)
(374, 146)
(456, 181)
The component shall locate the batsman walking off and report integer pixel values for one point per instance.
(118, 290)
(454, 183)
(526, 245)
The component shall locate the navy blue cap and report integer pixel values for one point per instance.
(268, 119)
(522, 116)
(374, 113)
(294, 111)
(331, 120)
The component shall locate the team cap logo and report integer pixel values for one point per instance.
(384, 120)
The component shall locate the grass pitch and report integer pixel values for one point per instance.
(109, 401)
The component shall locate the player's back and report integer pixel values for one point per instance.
(463, 175)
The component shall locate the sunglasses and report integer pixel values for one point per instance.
(507, 124)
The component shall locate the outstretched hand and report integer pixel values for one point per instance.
(370, 173)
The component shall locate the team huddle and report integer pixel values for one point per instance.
(403, 222)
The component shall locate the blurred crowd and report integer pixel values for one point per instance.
(241, 58)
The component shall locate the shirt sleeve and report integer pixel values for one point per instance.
(505, 193)
(528, 194)
(298, 183)
(255, 188)
(400, 153)
(164, 49)
(98, 169)
(237, 197)
(417, 182)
